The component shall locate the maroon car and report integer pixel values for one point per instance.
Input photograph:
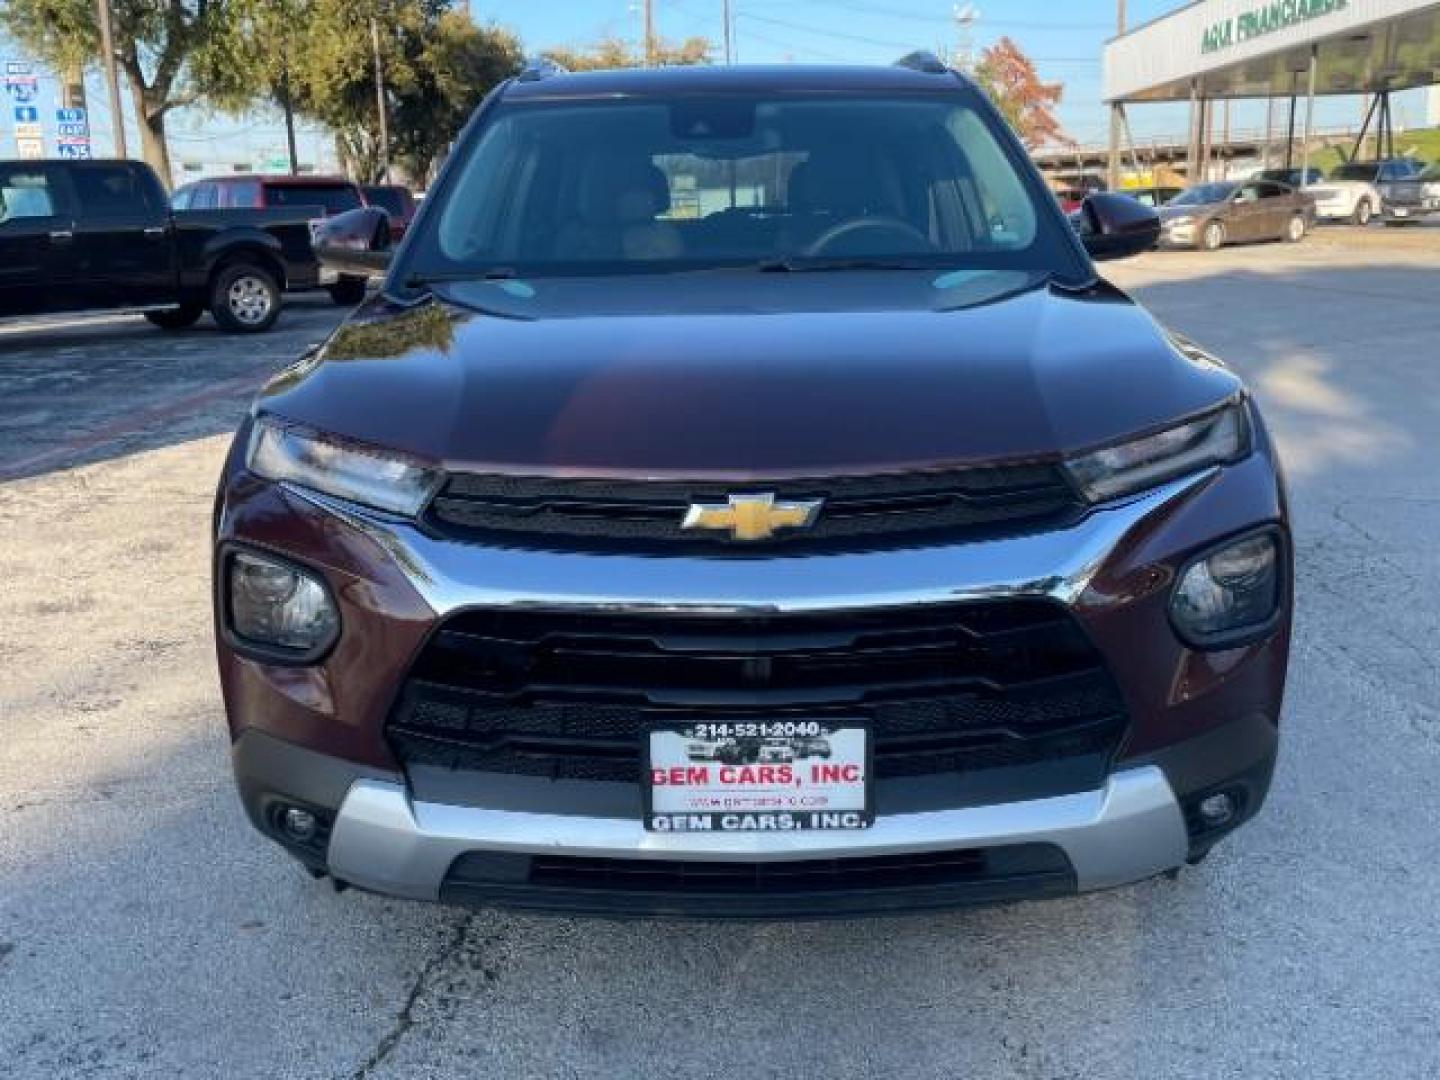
(330, 195)
(397, 202)
(750, 406)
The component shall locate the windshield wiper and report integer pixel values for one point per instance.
(806, 265)
(420, 280)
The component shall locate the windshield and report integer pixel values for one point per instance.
(1355, 173)
(335, 198)
(643, 186)
(1203, 195)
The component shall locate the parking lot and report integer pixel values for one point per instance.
(144, 928)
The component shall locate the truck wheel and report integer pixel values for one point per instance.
(244, 299)
(1212, 237)
(1363, 212)
(348, 291)
(1295, 229)
(176, 318)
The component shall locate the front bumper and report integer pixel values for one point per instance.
(1138, 824)
(386, 832)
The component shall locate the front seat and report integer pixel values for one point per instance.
(619, 200)
(832, 186)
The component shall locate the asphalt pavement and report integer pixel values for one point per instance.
(145, 930)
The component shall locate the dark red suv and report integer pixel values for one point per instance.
(330, 195)
(708, 417)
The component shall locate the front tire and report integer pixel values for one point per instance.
(244, 299)
(176, 318)
(348, 291)
(1363, 213)
(1295, 229)
(1212, 237)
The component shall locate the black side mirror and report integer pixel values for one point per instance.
(1116, 226)
(355, 243)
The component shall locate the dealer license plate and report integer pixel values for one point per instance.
(757, 776)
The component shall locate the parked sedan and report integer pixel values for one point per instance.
(1412, 199)
(1208, 216)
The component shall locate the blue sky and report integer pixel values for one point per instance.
(1065, 39)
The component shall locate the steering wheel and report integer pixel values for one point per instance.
(880, 225)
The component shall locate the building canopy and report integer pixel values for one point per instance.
(1256, 48)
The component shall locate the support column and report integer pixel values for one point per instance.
(1290, 126)
(1269, 131)
(1309, 114)
(1192, 150)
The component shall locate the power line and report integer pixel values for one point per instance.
(883, 43)
(917, 16)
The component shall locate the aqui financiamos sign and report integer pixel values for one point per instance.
(1265, 19)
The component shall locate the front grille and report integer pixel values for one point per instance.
(861, 510)
(570, 696)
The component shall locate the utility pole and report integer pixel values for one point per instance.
(1117, 115)
(649, 33)
(112, 80)
(966, 16)
(380, 102)
(729, 27)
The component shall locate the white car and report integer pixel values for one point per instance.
(1352, 192)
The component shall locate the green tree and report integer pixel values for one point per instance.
(171, 53)
(614, 52)
(437, 66)
(1009, 77)
(457, 65)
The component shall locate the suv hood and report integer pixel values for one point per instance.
(746, 375)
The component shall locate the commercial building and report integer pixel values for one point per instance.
(1291, 50)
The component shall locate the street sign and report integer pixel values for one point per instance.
(23, 89)
(31, 149)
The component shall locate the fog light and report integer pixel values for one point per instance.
(299, 825)
(1229, 592)
(276, 604)
(1217, 810)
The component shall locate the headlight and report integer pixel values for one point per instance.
(1177, 222)
(277, 605)
(1217, 437)
(360, 475)
(1229, 593)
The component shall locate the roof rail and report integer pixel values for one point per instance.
(541, 67)
(922, 60)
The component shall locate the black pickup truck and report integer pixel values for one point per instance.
(79, 236)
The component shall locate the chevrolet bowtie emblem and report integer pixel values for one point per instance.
(752, 517)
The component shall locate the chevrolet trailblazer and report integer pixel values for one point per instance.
(738, 407)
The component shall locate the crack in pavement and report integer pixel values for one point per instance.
(405, 1018)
